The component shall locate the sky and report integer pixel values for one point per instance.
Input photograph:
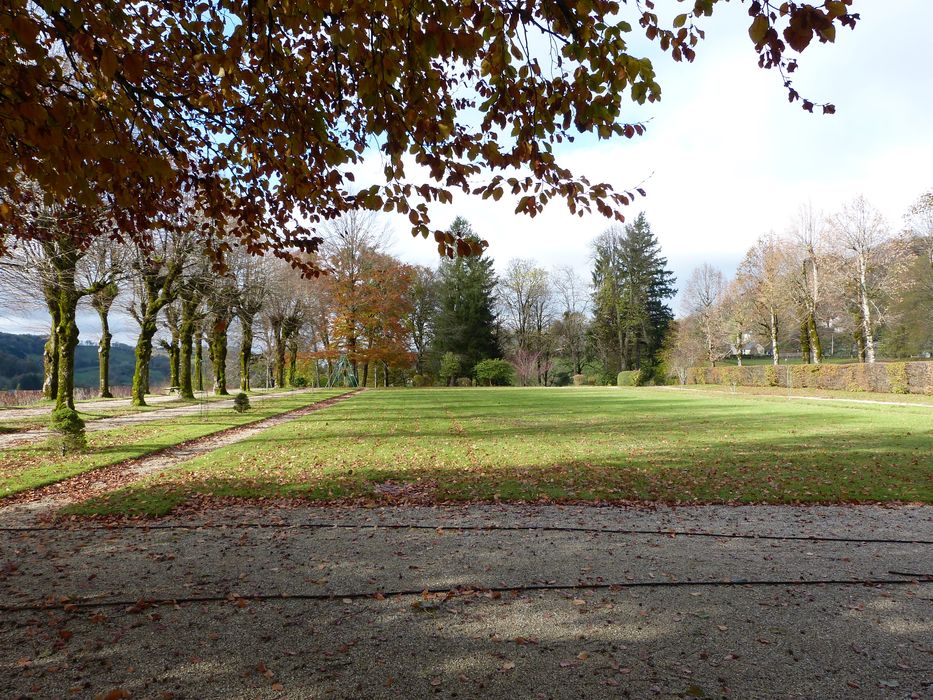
(726, 158)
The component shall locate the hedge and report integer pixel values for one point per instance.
(887, 377)
(627, 378)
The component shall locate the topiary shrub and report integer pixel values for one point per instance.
(494, 373)
(579, 379)
(299, 382)
(69, 428)
(464, 382)
(419, 380)
(626, 378)
(241, 403)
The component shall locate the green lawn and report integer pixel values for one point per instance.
(29, 466)
(565, 444)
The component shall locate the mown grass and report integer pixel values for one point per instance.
(30, 466)
(564, 444)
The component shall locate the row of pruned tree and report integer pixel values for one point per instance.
(847, 279)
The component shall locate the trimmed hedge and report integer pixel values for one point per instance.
(885, 377)
(627, 378)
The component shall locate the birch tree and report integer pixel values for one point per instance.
(861, 233)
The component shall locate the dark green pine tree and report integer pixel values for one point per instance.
(466, 323)
(632, 286)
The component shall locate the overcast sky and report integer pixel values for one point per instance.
(725, 158)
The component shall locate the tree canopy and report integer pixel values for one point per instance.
(255, 113)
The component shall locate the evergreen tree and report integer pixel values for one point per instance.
(632, 286)
(466, 323)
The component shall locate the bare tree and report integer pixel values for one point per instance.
(861, 233)
(704, 300)
(249, 273)
(572, 294)
(762, 279)
(807, 258)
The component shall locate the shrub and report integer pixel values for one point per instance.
(241, 403)
(420, 380)
(579, 379)
(626, 378)
(70, 429)
(895, 377)
(494, 373)
(450, 367)
(299, 382)
(464, 382)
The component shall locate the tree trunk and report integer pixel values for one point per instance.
(218, 349)
(103, 352)
(147, 331)
(292, 361)
(816, 345)
(805, 342)
(67, 340)
(246, 352)
(366, 374)
(185, 342)
(773, 328)
(50, 359)
(198, 362)
(867, 337)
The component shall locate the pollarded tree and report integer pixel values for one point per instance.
(474, 92)
(251, 293)
(158, 269)
(220, 301)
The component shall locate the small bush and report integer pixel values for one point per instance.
(464, 382)
(494, 373)
(299, 382)
(579, 379)
(420, 380)
(69, 428)
(626, 378)
(241, 403)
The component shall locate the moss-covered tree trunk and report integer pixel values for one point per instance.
(103, 354)
(279, 342)
(292, 360)
(143, 357)
(185, 342)
(198, 362)
(217, 345)
(102, 300)
(67, 340)
(804, 343)
(816, 345)
(246, 351)
(50, 359)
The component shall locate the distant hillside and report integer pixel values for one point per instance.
(21, 364)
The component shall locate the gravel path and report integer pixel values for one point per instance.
(13, 439)
(29, 507)
(326, 603)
